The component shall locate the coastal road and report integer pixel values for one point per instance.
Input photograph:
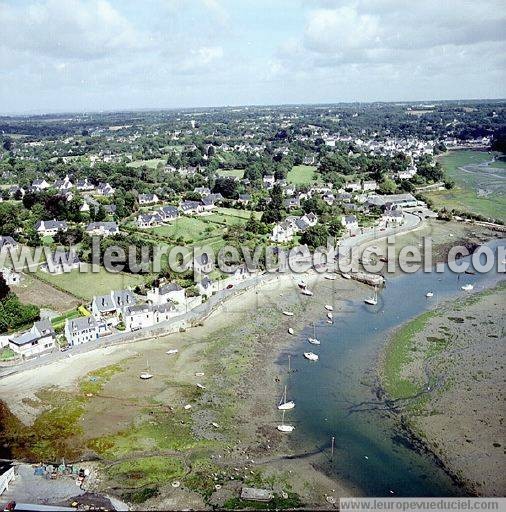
(200, 312)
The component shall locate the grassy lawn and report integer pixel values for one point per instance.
(152, 163)
(302, 175)
(244, 214)
(231, 173)
(191, 229)
(478, 188)
(88, 284)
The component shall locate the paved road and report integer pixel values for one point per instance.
(200, 312)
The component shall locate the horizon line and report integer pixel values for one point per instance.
(35, 113)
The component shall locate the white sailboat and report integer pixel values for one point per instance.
(283, 427)
(311, 356)
(331, 277)
(467, 287)
(285, 405)
(313, 340)
(288, 313)
(328, 307)
(330, 316)
(372, 301)
(346, 276)
(172, 351)
(429, 294)
(307, 292)
(146, 375)
(290, 331)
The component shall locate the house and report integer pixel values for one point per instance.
(397, 200)
(40, 338)
(110, 209)
(349, 222)
(170, 292)
(138, 317)
(369, 185)
(50, 227)
(203, 263)
(329, 198)
(344, 197)
(102, 229)
(282, 232)
(149, 220)
(244, 199)
(88, 204)
(205, 287)
(310, 219)
(105, 190)
(164, 312)
(15, 190)
(84, 185)
(393, 216)
(81, 330)
(63, 185)
(108, 306)
(60, 262)
(168, 213)
(353, 187)
(208, 202)
(189, 207)
(309, 160)
(148, 199)
(40, 185)
(11, 277)
(203, 191)
(8, 243)
(292, 203)
(269, 181)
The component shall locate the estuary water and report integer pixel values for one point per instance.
(335, 395)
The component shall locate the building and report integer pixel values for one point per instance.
(11, 277)
(189, 207)
(84, 185)
(7, 243)
(148, 199)
(105, 190)
(81, 330)
(170, 292)
(40, 338)
(203, 191)
(50, 227)
(108, 306)
(149, 220)
(269, 181)
(244, 199)
(393, 216)
(168, 213)
(349, 222)
(60, 262)
(282, 232)
(203, 264)
(138, 317)
(369, 185)
(40, 185)
(102, 229)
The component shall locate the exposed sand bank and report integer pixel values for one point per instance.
(453, 363)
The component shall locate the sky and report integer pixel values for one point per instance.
(92, 55)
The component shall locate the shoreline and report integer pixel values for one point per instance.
(410, 411)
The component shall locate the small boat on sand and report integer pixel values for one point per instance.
(288, 313)
(311, 356)
(172, 351)
(372, 301)
(330, 316)
(284, 404)
(307, 292)
(283, 427)
(429, 294)
(290, 331)
(331, 277)
(346, 276)
(467, 287)
(302, 284)
(146, 375)
(328, 307)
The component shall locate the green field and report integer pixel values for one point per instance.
(152, 164)
(191, 229)
(302, 175)
(85, 285)
(480, 187)
(231, 173)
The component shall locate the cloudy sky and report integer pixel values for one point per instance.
(77, 55)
